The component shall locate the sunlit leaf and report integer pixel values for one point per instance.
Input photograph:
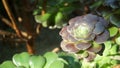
(113, 31)
(7, 64)
(50, 58)
(21, 59)
(45, 24)
(57, 63)
(108, 45)
(37, 62)
(59, 19)
(118, 40)
(42, 18)
(114, 49)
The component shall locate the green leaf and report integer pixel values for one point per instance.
(114, 49)
(7, 64)
(113, 31)
(84, 54)
(106, 14)
(105, 61)
(114, 19)
(50, 58)
(86, 64)
(108, 46)
(117, 40)
(59, 19)
(21, 59)
(45, 24)
(20, 67)
(57, 64)
(96, 4)
(42, 18)
(37, 62)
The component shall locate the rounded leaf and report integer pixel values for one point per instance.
(71, 47)
(117, 40)
(66, 36)
(95, 47)
(57, 63)
(102, 37)
(42, 18)
(99, 28)
(91, 56)
(7, 64)
(21, 59)
(113, 31)
(58, 19)
(37, 62)
(114, 49)
(83, 46)
(50, 58)
(68, 47)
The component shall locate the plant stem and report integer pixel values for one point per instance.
(13, 21)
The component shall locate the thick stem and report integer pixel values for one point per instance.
(30, 46)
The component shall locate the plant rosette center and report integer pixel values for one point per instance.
(81, 31)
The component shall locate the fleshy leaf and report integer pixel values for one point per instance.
(108, 45)
(114, 50)
(83, 46)
(58, 19)
(113, 31)
(95, 47)
(117, 40)
(91, 56)
(50, 58)
(37, 62)
(102, 37)
(42, 18)
(71, 47)
(7, 64)
(21, 59)
(57, 63)
(99, 28)
(114, 19)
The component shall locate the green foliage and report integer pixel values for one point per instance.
(7, 64)
(21, 59)
(49, 60)
(65, 60)
(59, 10)
(113, 31)
(109, 9)
(37, 61)
(118, 40)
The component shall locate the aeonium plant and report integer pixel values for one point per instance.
(84, 36)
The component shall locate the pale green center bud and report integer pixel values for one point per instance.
(81, 31)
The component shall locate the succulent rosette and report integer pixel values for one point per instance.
(82, 32)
